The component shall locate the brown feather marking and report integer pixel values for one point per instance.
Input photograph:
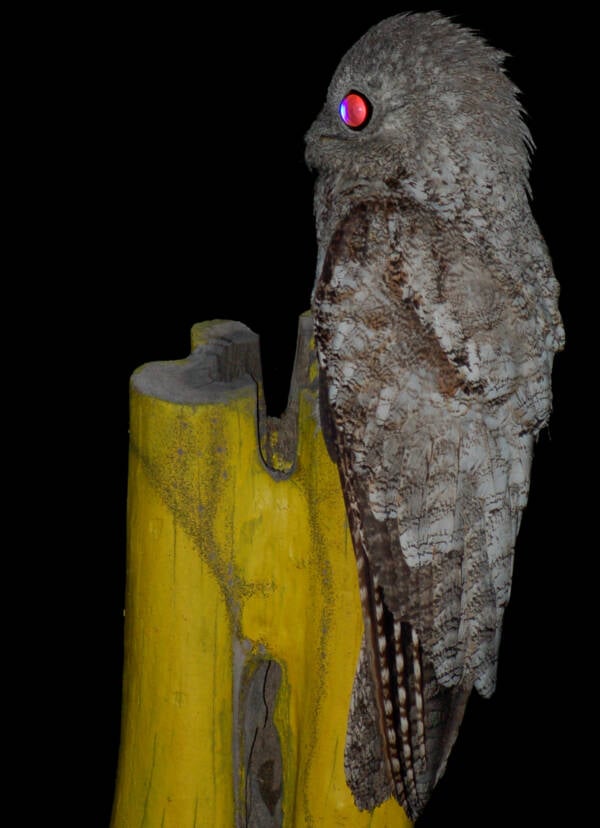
(402, 690)
(372, 605)
(350, 242)
(418, 695)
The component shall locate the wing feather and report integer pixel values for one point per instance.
(424, 410)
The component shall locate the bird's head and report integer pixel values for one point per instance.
(422, 105)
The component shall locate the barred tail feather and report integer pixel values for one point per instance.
(426, 718)
(364, 761)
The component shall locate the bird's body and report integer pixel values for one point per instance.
(436, 322)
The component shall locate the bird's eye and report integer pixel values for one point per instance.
(355, 110)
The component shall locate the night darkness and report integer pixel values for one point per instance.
(190, 201)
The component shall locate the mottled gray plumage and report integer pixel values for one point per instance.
(436, 323)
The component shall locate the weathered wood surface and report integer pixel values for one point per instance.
(243, 622)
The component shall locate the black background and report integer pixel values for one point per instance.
(175, 190)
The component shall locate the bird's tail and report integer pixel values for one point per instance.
(399, 745)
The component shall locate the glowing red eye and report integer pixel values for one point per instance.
(355, 110)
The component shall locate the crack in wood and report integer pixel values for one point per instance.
(261, 749)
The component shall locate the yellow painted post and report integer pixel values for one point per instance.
(243, 622)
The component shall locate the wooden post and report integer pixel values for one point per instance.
(243, 622)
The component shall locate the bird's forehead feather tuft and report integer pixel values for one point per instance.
(416, 48)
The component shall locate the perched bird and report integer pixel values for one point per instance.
(436, 323)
